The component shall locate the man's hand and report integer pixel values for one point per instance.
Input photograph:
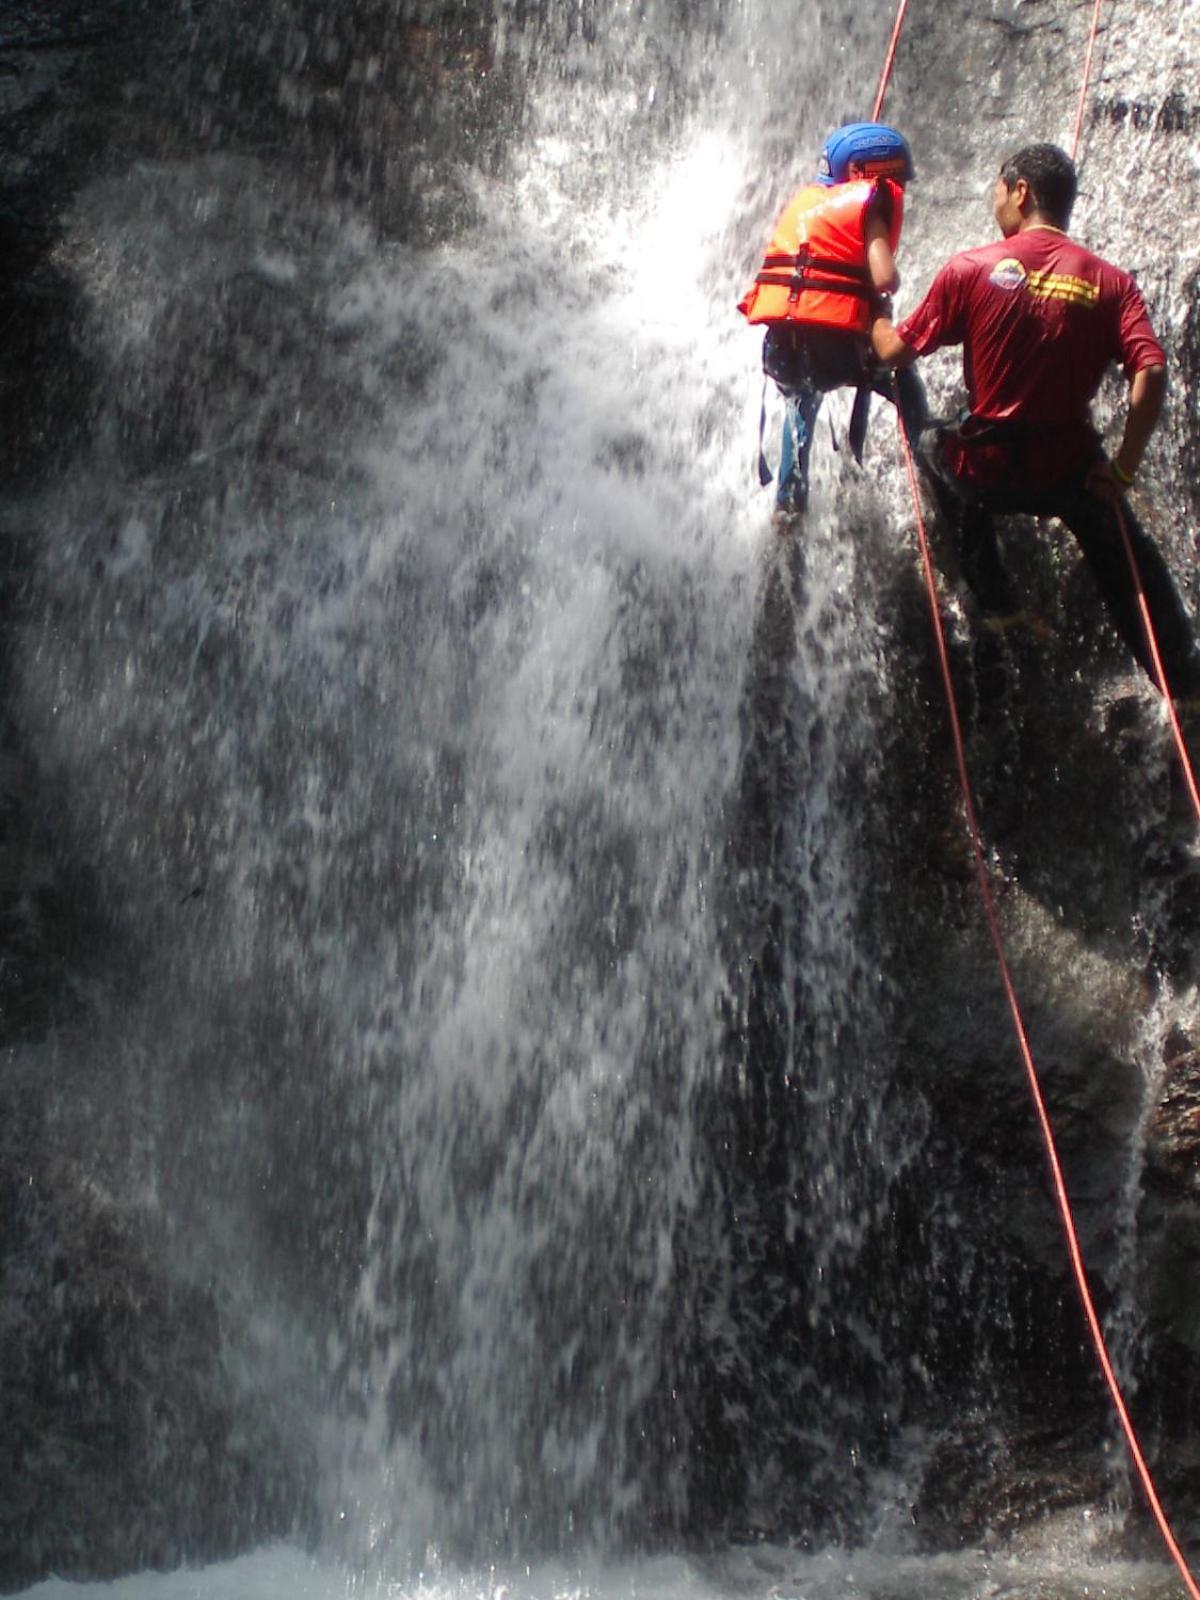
(1109, 480)
(1103, 482)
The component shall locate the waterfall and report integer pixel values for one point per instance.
(398, 725)
(488, 1031)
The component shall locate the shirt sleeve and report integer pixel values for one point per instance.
(937, 321)
(1139, 346)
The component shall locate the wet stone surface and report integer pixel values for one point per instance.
(121, 1367)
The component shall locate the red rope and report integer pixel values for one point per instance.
(1087, 73)
(889, 62)
(1160, 676)
(1018, 1021)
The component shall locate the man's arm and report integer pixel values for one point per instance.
(1146, 391)
(889, 346)
(1146, 394)
(937, 321)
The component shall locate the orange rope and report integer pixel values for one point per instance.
(1160, 676)
(1018, 1021)
(1087, 73)
(889, 61)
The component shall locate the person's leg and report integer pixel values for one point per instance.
(985, 573)
(971, 525)
(1097, 530)
(799, 423)
(787, 362)
(911, 402)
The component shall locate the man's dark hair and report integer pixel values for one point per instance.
(1050, 174)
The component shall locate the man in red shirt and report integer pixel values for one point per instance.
(1039, 319)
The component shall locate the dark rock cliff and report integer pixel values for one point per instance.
(139, 1429)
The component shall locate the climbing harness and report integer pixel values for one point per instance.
(989, 901)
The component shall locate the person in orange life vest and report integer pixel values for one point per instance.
(1040, 319)
(828, 268)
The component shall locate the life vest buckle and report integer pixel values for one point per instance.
(796, 287)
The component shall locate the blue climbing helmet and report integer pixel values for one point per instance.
(880, 151)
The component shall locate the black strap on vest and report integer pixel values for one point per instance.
(803, 271)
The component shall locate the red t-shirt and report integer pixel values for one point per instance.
(1039, 318)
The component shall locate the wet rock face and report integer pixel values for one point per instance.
(130, 1442)
(135, 1430)
(1078, 791)
(388, 103)
(385, 106)
(1092, 845)
(1173, 1134)
(134, 1366)
(1189, 392)
(61, 74)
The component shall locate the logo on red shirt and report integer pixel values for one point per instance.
(1008, 274)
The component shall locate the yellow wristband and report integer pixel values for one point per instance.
(1121, 475)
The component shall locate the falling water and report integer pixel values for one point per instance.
(473, 809)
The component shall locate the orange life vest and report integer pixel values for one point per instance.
(815, 269)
